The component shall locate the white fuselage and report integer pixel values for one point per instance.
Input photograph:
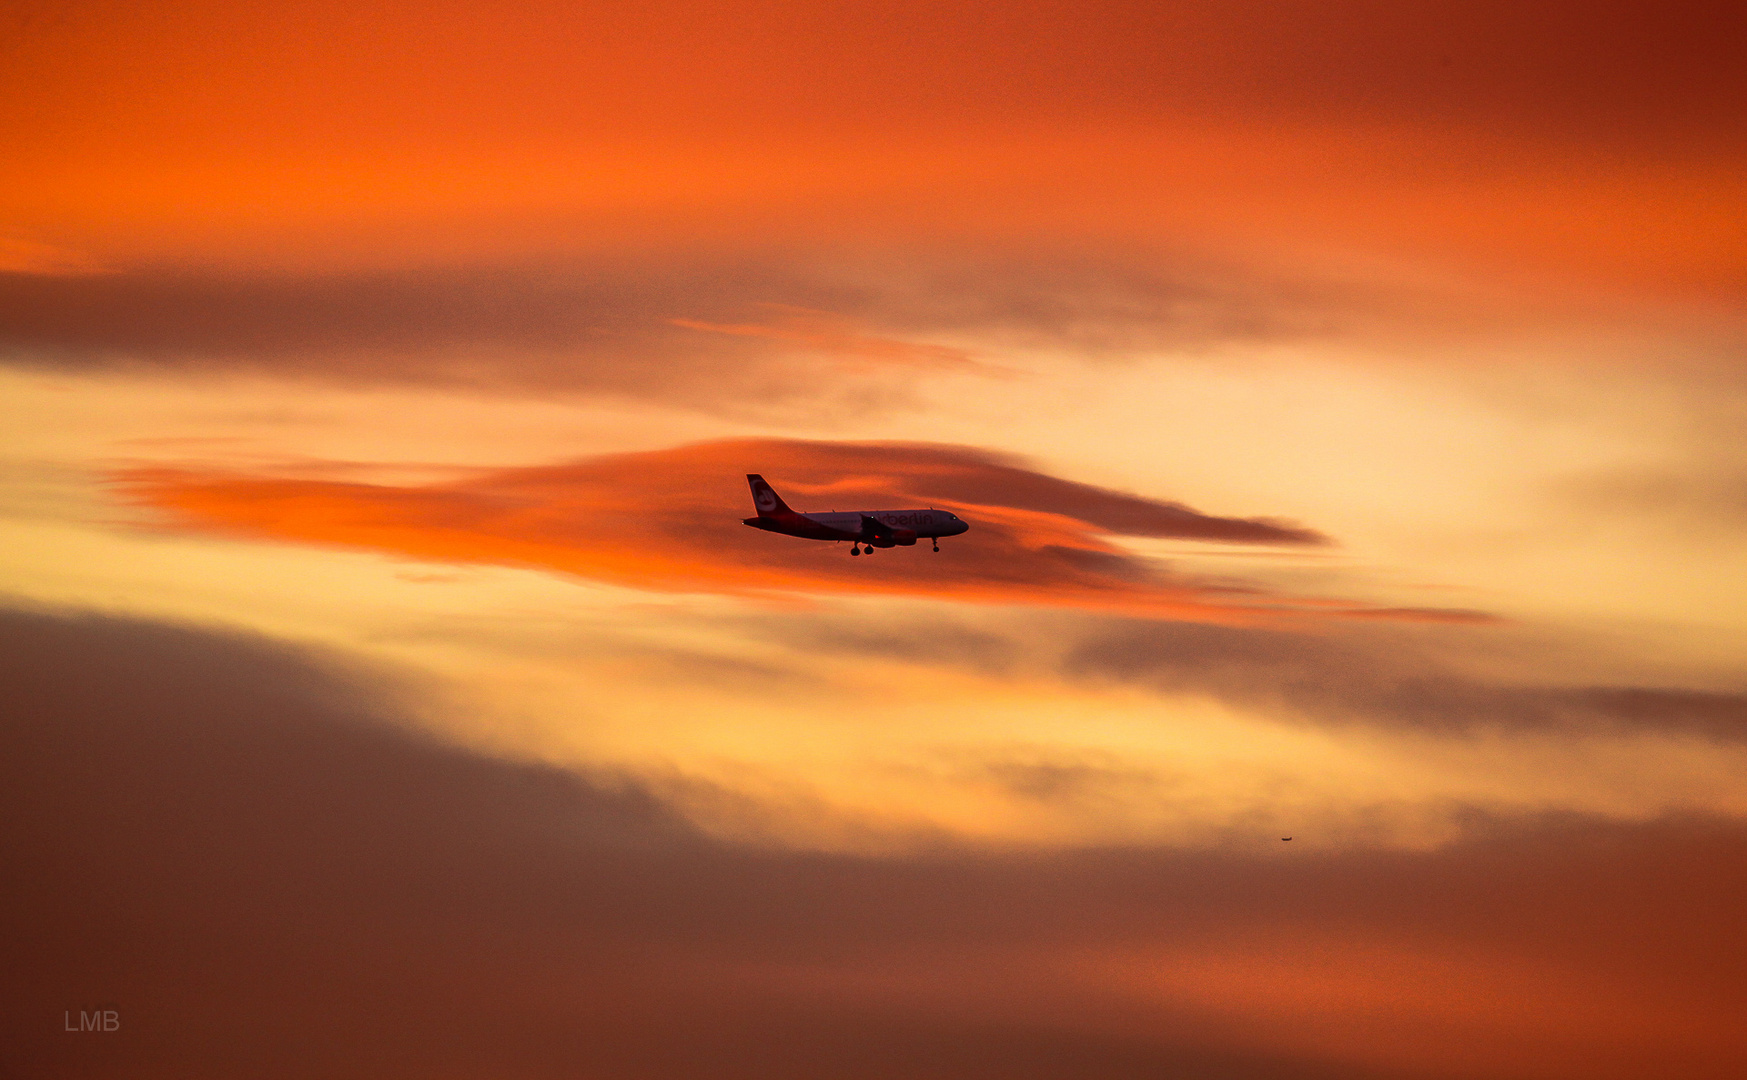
(872, 528)
(920, 522)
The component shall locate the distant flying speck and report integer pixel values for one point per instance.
(1285, 838)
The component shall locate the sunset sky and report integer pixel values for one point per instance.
(1347, 400)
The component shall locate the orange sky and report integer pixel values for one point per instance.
(1346, 401)
(1604, 144)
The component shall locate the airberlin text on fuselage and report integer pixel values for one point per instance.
(908, 521)
(918, 520)
(903, 520)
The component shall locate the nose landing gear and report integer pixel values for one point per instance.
(937, 544)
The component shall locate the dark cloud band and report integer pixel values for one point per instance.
(264, 872)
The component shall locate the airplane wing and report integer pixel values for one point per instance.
(878, 533)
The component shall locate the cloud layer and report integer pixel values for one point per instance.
(259, 867)
(698, 329)
(668, 520)
(1406, 678)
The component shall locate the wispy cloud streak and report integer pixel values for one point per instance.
(668, 520)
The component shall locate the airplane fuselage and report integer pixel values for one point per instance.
(875, 528)
(906, 525)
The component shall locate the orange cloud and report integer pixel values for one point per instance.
(826, 332)
(669, 520)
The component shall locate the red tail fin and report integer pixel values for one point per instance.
(765, 498)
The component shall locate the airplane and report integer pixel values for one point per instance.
(874, 528)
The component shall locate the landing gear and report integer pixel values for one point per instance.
(937, 545)
(855, 549)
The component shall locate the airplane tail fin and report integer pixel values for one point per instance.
(765, 498)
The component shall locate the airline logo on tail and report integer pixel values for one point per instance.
(767, 501)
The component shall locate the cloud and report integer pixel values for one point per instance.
(1386, 678)
(494, 327)
(709, 332)
(769, 333)
(1406, 676)
(29, 257)
(247, 853)
(826, 332)
(1705, 500)
(669, 520)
